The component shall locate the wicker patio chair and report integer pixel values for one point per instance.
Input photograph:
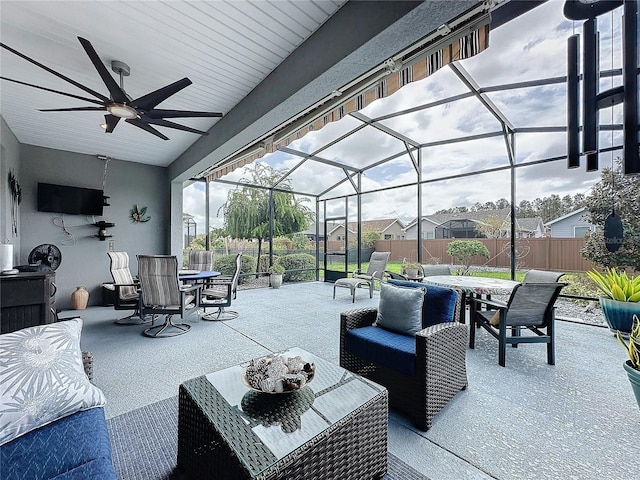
(436, 366)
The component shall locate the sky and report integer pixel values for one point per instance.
(531, 47)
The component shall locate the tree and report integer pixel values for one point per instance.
(622, 192)
(369, 238)
(246, 211)
(465, 250)
(494, 226)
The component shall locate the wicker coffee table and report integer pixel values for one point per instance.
(335, 427)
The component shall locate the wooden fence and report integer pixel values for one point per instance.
(560, 254)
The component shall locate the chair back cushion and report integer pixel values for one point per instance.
(439, 304)
(383, 347)
(159, 280)
(541, 276)
(378, 264)
(122, 275)
(201, 260)
(431, 270)
(531, 304)
(400, 309)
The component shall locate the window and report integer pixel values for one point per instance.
(388, 236)
(579, 232)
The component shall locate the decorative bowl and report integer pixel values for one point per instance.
(278, 374)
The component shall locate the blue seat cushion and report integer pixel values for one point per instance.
(393, 350)
(439, 304)
(74, 447)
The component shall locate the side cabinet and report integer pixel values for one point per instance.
(27, 299)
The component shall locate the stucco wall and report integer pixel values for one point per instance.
(84, 258)
(9, 157)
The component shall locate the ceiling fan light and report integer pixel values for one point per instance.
(121, 110)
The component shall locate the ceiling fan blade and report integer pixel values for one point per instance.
(159, 113)
(59, 75)
(150, 100)
(117, 94)
(110, 121)
(140, 124)
(92, 100)
(165, 123)
(73, 109)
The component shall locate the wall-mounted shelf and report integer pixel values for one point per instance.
(102, 230)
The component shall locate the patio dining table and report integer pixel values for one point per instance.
(470, 285)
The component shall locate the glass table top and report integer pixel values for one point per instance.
(268, 427)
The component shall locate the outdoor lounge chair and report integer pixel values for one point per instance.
(422, 371)
(375, 271)
(432, 270)
(219, 293)
(127, 290)
(161, 294)
(200, 260)
(531, 305)
(541, 276)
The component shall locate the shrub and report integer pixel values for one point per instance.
(264, 262)
(226, 265)
(297, 261)
(465, 250)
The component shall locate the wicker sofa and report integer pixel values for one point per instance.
(75, 446)
(422, 372)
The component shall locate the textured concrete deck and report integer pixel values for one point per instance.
(577, 419)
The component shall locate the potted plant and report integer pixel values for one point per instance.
(632, 366)
(411, 269)
(622, 297)
(276, 271)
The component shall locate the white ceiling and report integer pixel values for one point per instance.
(225, 48)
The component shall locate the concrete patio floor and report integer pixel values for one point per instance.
(529, 420)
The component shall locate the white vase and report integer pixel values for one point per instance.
(276, 280)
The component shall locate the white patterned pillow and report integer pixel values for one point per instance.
(42, 378)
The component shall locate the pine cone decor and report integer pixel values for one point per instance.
(278, 374)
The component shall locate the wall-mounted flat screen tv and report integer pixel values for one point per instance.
(71, 200)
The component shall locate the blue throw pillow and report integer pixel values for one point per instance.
(439, 303)
(400, 309)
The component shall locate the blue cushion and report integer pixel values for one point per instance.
(74, 447)
(400, 309)
(439, 302)
(394, 351)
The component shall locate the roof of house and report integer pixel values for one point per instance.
(479, 216)
(563, 217)
(374, 225)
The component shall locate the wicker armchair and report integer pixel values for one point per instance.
(440, 365)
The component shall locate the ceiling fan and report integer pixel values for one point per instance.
(140, 112)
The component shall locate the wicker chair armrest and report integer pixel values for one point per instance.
(441, 351)
(359, 317)
(87, 363)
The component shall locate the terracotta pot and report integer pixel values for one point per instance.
(79, 298)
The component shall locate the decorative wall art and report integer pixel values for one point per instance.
(16, 197)
(138, 215)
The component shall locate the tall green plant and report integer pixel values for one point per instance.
(617, 285)
(633, 345)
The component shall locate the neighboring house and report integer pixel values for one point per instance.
(389, 229)
(463, 225)
(571, 225)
